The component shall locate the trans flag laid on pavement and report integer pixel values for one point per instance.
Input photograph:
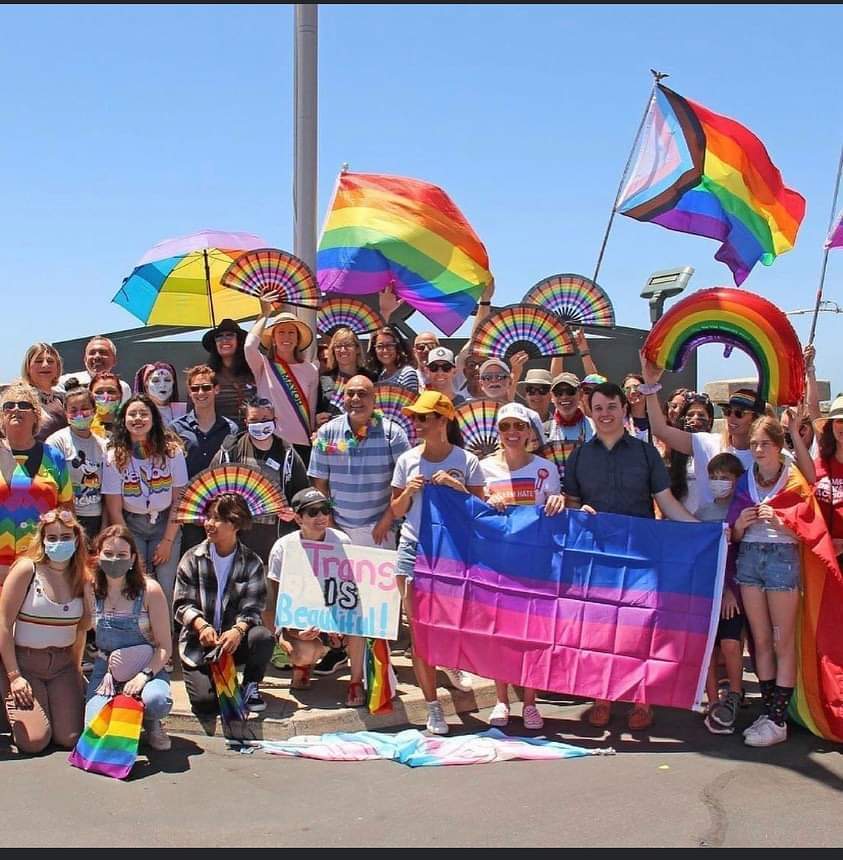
(599, 606)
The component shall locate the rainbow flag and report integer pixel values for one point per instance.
(224, 676)
(379, 677)
(390, 230)
(698, 172)
(601, 606)
(109, 744)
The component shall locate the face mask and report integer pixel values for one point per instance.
(720, 489)
(114, 568)
(80, 422)
(106, 406)
(160, 386)
(262, 430)
(60, 550)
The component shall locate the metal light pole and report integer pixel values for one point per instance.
(305, 150)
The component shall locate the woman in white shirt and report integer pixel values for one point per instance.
(143, 480)
(514, 476)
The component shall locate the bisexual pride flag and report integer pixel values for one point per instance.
(599, 606)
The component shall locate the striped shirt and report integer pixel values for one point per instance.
(405, 377)
(358, 477)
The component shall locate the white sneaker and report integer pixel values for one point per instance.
(156, 737)
(758, 720)
(766, 734)
(436, 719)
(499, 716)
(459, 680)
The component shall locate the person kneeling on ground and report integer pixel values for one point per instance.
(305, 647)
(219, 596)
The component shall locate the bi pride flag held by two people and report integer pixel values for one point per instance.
(599, 606)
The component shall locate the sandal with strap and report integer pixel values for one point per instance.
(599, 715)
(301, 678)
(355, 697)
(640, 718)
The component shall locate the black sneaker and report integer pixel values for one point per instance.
(252, 698)
(725, 713)
(332, 662)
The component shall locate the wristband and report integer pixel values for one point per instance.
(584, 354)
(647, 390)
(484, 304)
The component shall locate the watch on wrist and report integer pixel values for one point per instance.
(646, 390)
(148, 674)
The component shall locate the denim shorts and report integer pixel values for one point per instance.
(769, 566)
(405, 562)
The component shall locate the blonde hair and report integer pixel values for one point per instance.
(22, 390)
(770, 427)
(33, 352)
(80, 563)
(343, 333)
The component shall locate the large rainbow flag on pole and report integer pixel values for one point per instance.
(385, 231)
(601, 606)
(698, 172)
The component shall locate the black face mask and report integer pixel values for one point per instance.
(114, 568)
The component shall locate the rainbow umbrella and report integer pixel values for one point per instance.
(177, 282)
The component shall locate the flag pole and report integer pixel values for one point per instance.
(657, 77)
(826, 250)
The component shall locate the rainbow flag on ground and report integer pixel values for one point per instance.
(698, 172)
(390, 230)
(379, 677)
(109, 744)
(601, 606)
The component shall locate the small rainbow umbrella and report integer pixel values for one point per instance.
(177, 282)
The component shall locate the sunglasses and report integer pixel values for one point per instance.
(204, 386)
(494, 377)
(440, 367)
(506, 426)
(383, 347)
(729, 411)
(422, 347)
(51, 516)
(537, 389)
(564, 390)
(423, 417)
(20, 405)
(313, 512)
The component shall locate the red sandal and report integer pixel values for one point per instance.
(301, 678)
(355, 697)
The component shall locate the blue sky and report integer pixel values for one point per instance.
(127, 125)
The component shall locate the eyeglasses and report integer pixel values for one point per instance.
(20, 405)
(537, 389)
(564, 391)
(51, 516)
(729, 411)
(506, 426)
(385, 347)
(344, 347)
(204, 386)
(322, 510)
(494, 377)
(440, 367)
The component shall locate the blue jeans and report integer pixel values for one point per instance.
(147, 536)
(405, 560)
(769, 566)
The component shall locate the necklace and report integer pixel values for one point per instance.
(346, 445)
(763, 482)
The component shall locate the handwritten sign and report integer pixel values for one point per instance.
(339, 588)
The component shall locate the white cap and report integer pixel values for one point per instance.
(441, 353)
(513, 410)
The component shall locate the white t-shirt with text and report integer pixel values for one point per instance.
(530, 485)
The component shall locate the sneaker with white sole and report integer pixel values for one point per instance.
(758, 720)
(252, 698)
(459, 680)
(436, 719)
(766, 734)
(531, 717)
(725, 712)
(716, 728)
(499, 716)
(155, 736)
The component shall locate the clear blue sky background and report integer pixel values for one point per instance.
(123, 126)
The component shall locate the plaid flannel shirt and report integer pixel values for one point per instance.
(195, 596)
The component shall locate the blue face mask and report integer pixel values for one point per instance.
(60, 550)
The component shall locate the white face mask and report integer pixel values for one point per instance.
(160, 385)
(720, 488)
(261, 430)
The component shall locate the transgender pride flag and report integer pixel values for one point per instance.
(604, 606)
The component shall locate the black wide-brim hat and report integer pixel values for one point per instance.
(225, 325)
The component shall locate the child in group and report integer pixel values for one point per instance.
(723, 473)
(305, 648)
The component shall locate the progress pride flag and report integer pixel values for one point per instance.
(604, 606)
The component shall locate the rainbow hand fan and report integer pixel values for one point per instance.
(261, 496)
(109, 744)
(391, 399)
(379, 677)
(574, 299)
(558, 453)
(268, 269)
(476, 420)
(523, 327)
(347, 312)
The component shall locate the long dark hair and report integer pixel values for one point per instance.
(162, 443)
(240, 367)
(827, 443)
(402, 349)
(135, 578)
(454, 434)
(678, 467)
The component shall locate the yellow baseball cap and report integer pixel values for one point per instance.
(431, 401)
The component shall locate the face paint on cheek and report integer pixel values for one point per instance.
(160, 386)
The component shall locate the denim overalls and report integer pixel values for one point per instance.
(122, 631)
